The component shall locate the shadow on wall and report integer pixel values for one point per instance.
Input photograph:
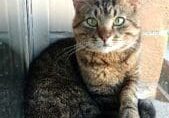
(11, 83)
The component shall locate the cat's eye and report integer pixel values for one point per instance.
(92, 22)
(119, 21)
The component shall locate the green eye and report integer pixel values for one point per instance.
(119, 21)
(92, 22)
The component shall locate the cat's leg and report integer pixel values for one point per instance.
(128, 98)
(88, 110)
(128, 108)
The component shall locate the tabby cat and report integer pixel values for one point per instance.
(95, 74)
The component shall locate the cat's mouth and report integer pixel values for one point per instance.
(105, 47)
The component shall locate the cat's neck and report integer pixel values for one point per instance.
(90, 58)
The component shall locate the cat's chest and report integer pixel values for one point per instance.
(101, 70)
(102, 74)
(108, 75)
(103, 80)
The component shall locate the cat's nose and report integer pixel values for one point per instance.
(104, 33)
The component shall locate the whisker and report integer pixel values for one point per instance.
(63, 53)
(78, 49)
(117, 40)
(71, 49)
(71, 46)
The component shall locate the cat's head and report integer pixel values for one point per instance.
(106, 25)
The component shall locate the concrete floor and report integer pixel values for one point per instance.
(162, 109)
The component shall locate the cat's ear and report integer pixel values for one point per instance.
(78, 4)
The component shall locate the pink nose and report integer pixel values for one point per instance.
(105, 36)
(104, 33)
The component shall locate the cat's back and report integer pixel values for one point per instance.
(53, 87)
(51, 61)
(52, 65)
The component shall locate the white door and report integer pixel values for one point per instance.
(48, 21)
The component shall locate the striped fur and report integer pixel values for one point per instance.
(110, 67)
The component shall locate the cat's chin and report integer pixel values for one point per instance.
(108, 48)
(104, 50)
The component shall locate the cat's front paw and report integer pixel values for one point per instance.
(146, 109)
(129, 113)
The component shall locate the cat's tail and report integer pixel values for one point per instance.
(146, 109)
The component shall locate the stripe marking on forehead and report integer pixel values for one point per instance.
(105, 5)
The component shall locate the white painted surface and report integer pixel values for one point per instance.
(40, 25)
(48, 21)
(3, 16)
(61, 15)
